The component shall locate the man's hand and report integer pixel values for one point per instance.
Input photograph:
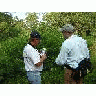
(42, 58)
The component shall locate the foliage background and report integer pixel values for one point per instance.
(14, 35)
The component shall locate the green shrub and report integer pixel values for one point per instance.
(11, 62)
(52, 41)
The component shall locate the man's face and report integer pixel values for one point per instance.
(36, 41)
(66, 34)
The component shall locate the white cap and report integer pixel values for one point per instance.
(68, 28)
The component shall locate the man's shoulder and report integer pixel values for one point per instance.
(28, 47)
(76, 38)
(81, 39)
(66, 43)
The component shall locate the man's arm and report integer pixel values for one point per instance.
(41, 60)
(35, 57)
(62, 57)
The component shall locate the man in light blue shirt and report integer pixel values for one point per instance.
(73, 51)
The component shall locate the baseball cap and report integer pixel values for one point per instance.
(35, 35)
(68, 28)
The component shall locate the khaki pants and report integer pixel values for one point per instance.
(68, 78)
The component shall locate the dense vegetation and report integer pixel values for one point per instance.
(14, 35)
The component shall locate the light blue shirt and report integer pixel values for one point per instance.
(73, 51)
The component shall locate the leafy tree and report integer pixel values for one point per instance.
(81, 20)
(5, 20)
(5, 17)
(9, 27)
(32, 20)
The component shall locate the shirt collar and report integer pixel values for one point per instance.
(72, 36)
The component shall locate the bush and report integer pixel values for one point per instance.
(11, 62)
(9, 32)
(52, 41)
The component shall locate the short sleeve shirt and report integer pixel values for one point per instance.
(31, 57)
(73, 51)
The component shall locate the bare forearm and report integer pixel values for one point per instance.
(39, 63)
(41, 60)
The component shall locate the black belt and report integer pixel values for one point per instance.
(84, 63)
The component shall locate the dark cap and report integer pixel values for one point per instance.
(35, 35)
